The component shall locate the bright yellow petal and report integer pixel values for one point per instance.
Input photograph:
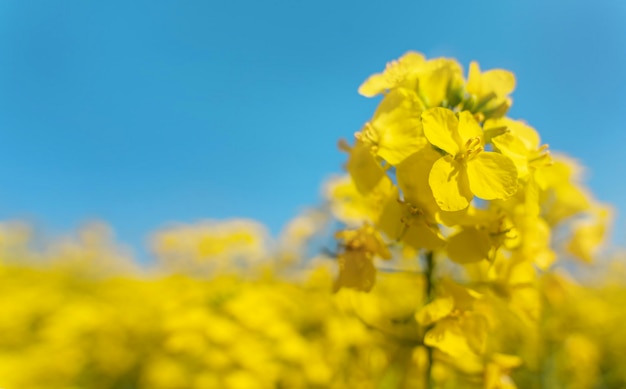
(514, 148)
(412, 59)
(374, 85)
(396, 129)
(527, 134)
(468, 127)
(440, 75)
(562, 172)
(499, 81)
(496, 107)
(365, 171)
(401, 140)
(466, 217)
(492, 176)
(449, 183)
(441, 129)
(468, 246)
(396, 74)
(473, 79)
(412, 175)
(396, 106)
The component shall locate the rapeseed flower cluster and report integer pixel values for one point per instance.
(471, 200)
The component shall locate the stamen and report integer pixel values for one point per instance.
(471, 154)
(411, 214)
(542, 158)
(472, 143)
(368, 135)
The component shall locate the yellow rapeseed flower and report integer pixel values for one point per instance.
(466, 169)
(489, 90)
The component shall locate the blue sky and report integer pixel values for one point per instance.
(146, 112)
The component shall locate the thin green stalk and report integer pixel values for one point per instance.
(430, 295)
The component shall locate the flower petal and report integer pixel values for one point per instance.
(401, 140)
(396, 73)
(365, 171)
(440, 127)
(412, 175)
(468, 127)
(474, 85)
(396, 126)
(440, 76)
(374, 85)
(501, 82)
(449, 183)
(514, 148)
(492, 176)
(518, 128)
(497, 81)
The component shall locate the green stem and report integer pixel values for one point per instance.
(430, 295)
(430, 270)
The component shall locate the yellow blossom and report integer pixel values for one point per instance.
(466, 169)
(399, 73)
(490, 90)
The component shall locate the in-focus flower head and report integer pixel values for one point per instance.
(410, 85)
(466, 169)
